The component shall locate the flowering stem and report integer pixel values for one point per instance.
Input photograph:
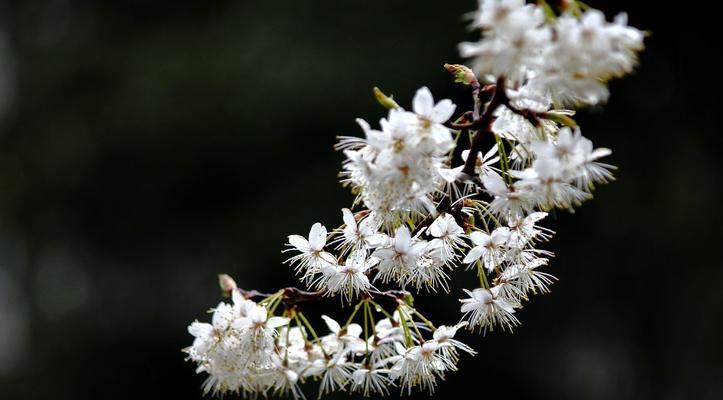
(366, 325)
(504, 163)
(272, 301)
(353, 313)
(300, 316)
(482, 276)
(484, 209)
(300, 325)
(372, 323)
(425, 320)
(381, 309)
(308, 326)
(416, 329)
(405, 328)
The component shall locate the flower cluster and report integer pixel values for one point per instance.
(567, 58)
(561, 170)
(395, 170)
(435, 193)
(236, 349)
(245, 350)
(367, 256)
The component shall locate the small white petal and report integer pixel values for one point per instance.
(317, 236)
(423, 103)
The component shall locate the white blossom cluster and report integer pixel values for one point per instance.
(363, 251)
(397, 169)
(245, 350)
(567, 58)
(236, 349)
(435, 194)
(557, 170)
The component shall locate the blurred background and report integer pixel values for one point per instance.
(146, 146)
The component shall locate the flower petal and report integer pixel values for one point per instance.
(423, 103)
(275, 322)
(317, 236)
(479, 238)
(473, 254)
(300, 243)
(348, 218)
(333, 325)
(443, 111)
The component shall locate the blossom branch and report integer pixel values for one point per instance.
(476, 208)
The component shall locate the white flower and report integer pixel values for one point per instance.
(336, 373)
(349, 279)
(548, 180)
(285, 379)
(291, 342)
(448, 237)
(590, 170)
(448, 345)
(382, 345)
(432, 116)
(256, 334)
(484, 308)
(371, 380)
(420, 366)
(490, 248)
(424, 107)
(396, 261)
(342, 340)
(208, 335)
(361, 235)
(312, 255)
(525, 278)
(524, 230)
(241, 305)
(509, 201)
(565, 148)
(205, 336)
(575, 157)
(428, 272)
(258, 319)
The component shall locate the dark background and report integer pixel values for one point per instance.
(146, 146)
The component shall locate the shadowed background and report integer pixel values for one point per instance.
(146, 146)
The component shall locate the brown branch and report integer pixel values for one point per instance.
(292, 296)
(484, 125)
(532, 116)
(249, 294)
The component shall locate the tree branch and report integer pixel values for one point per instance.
(484, 125)
(293, 295)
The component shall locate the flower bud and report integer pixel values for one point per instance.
(560, 118)
(462, 74)
(227, 284)
(386, 101)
